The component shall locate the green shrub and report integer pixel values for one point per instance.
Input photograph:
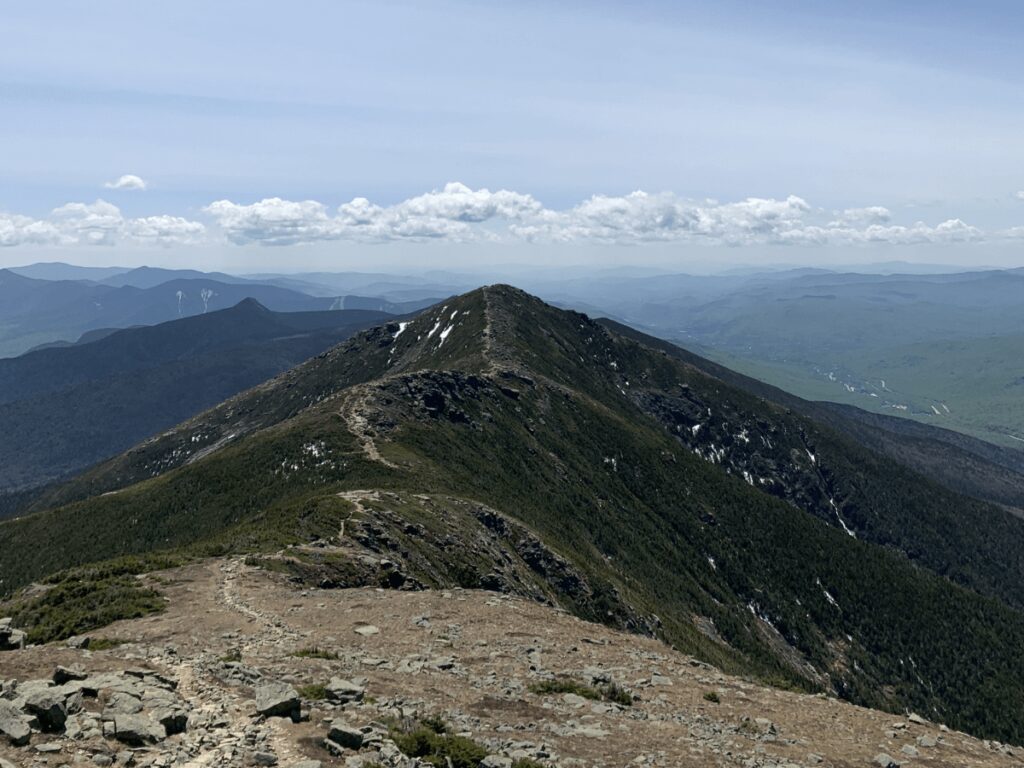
(713, 697)
(429, 740)
(314, 692)
(605, 692)
(74, 607)
(105, 643)
(313, 652)
(564, 685)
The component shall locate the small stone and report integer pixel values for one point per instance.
(909, 751)
(574, 700)
(48, 748)
(885, 761)
(917, 719)
(366, 630)
(927, 740)
(264, 758)
(102, 760)
(496, 761)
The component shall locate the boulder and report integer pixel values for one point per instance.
(14, 726)
(343, 691)
(47, 704)
(11, 639)
(278, 700)
(496, 761)
(62, 675)
(885, 761)
(344, 735)
(137, 730)
(120, 703)
(173, 719)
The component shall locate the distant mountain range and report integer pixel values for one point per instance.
(922, 342)
(635, 483)
(36, 312)
(62, 409)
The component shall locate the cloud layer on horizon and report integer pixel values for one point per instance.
(457, 213)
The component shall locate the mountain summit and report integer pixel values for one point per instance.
(496, 442)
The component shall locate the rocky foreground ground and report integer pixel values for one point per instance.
(246, 669)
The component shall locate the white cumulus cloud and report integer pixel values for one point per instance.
(452, 213)
(127, 181)
(97, 223)
(458, 213)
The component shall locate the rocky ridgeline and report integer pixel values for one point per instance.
(247, 669)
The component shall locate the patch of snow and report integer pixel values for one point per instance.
(401, 328)
(814, 459)
(711, 562)
(444, 335)
(434, 329)
(841, 521)
(936, 410)
(831, 600)
(316, 450)
(695, 429)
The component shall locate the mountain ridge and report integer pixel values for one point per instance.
(586, 438)
(62, 409)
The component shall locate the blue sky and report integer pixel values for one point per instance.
(916, 109)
